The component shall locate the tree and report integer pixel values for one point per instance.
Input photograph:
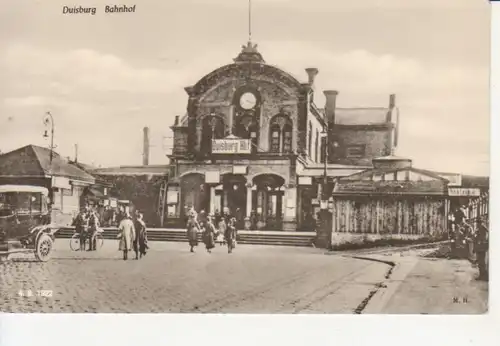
(142, 191)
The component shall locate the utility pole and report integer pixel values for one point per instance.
(50, 120)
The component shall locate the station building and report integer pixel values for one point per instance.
(253, 140)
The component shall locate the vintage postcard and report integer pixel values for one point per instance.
(236, 156)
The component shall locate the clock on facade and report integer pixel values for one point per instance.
(248, 100)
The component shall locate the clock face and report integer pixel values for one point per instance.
(248, 100)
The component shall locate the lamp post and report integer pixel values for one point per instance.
(325, 161)
(326, 202)
(49, 120)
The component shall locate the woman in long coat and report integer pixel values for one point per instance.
(230, 235)
(209, 234)
(193, 227)
(141, 237)
(126, 235)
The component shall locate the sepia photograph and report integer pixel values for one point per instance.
(245, 157)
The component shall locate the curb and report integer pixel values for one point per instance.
(388, 287)
(370, 251)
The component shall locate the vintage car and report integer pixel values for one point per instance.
(25, 222)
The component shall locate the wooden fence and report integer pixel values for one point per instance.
(478, 208)
(417, 216)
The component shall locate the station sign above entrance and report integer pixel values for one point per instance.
(463, 192)
(231, 146)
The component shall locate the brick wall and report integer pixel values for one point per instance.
(317, 129)
(376, 141)
(180, 141)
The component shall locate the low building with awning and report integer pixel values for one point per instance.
(38, 166)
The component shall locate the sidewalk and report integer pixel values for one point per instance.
(430, 286)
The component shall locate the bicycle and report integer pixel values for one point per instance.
(74, 242)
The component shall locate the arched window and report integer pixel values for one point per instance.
(280, 133)
(246, 128)
(309, 146)
(213, 128)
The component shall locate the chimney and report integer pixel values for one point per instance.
(392, 101)
(312, 72)
(76, 153)
(145, 154)
(392, 105)
(176, 122)
(330, 105)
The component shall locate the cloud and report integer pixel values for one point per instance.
(108, 99)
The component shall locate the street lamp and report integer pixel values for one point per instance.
(324, 134)
(46, 121)
(323, 196)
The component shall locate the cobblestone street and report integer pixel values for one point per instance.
(254, 279)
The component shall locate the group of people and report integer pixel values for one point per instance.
(132, 231)
(221, 228)
(86, 224)
(133, 235)
(478, 232)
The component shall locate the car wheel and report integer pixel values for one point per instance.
(44, 247)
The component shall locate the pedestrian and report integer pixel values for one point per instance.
(126, 235)
(193, 227)
(460, 233)
(230, 235)
(94, 225)
(81, 224)
(141, 237)
(226, 215)
(481, 249)
(209, 234)
(202, 218)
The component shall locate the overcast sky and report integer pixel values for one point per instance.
(105, 77)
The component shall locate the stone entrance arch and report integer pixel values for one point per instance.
(233, 196)
(268, 199)
(193, 192)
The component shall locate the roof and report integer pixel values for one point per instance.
(23, 188)
(417, 182)
(34, 161)
(249, 53)
(360, 115)
(134, 170)
(379, 171)
(391, 158)
(370, 188)
(86, 167)
(90, 169)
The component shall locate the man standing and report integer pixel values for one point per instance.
(126, 235)
(93, 227)
(81, 224)
(459, 234)
(481, 247)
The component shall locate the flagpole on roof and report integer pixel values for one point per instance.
(249, 20)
